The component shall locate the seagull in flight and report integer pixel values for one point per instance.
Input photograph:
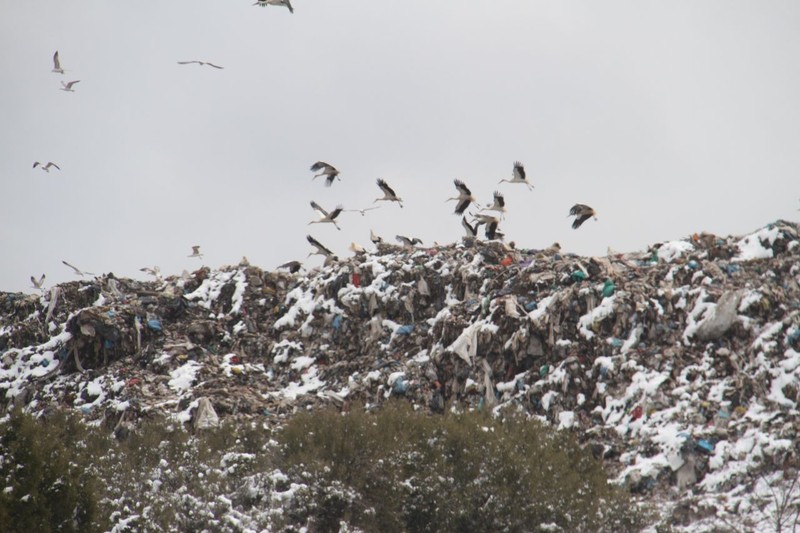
(68, 86)
(78, 272)
(463, 199)
(38, 284)
(155, 271)
(581, 213)
(362, 211)
(325, 216)
(265, 3)
(518, 176)
(46, 167)
(329, 171)
(196, 252)
(57, 64)
(201, 63)
(388, 194)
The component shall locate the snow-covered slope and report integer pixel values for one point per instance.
(679, 366)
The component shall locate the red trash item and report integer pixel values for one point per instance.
(133, 381)
(637, 412)
(506, 261)
(356, 279)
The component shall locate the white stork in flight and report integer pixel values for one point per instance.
(408, 243)
(46, 167)
(265, 3)
(68, 86)
(518, 176)
(57, 64)
(327, 170)
(388, 194)
(292, 266)
(321, 250)
(581, 213)
(472, 231)
(499, 204)
(325, 216)
(201, 63)
(463, 199)
(491, 225)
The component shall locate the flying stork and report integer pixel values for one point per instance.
(325, 216)
(327, 170)
(499, 204)
(196, 252)
(472, 231)
(518, 176)
(581, 212)
(264, 3)
(321, 250)
(46, 167)
(388, 194)
(57, 64)
(68, 86)
(408, 244)
(292, 266)
(491, 225)
(201, 63)
(463, 199)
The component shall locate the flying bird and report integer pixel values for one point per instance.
(46, 167)
(518, 176)
(264, 3)
(68, 86)
(472, 231)
(491, 225)
(78, 271)
(329, 171)
(201, 63)
(408, 243)
(581, 213)
(196, 252)
(499, 204)
(376, 239)
(388, 194)
(155, 271)
(325, 216)
(362, 211)
(38, 284)
(321, 250)
(57, 64)
(463, 199)
(292, 266)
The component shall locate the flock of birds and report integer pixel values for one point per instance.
(489, 216)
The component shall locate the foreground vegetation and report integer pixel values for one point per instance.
(388, 470)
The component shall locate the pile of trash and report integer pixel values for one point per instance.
(678, 366)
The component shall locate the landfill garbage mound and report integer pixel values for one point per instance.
(678, 366)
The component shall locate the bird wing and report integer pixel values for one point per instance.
(77, 271)
(579, 209)
(385, 188)
(319, 165)
(70, 84)
(314, 242)
(471, 230)
(519, 171)
(215, 66)
(316, 207)
(329, 179)
(56, 62)
(35, 283)
(463, 189)
(499, 201)
(403, 239)
(187, 62)
(289, 5)
(51, 164)
(196, 249)
(491, 230)
(462, 206)
(335, 212)
(580, 220)
(36, 164)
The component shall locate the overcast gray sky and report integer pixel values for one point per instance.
(667, 117)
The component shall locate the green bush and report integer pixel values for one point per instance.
(45, 485)
(398, 470)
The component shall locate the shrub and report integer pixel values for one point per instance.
(398, 470)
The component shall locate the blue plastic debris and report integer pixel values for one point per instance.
(730, 268)
(705, 445)
(111, 313)
(154, 324)
(337, 322)
(530, 306)
(108, 344)
(86, 409)
(399, 386)
(613, 341)
(405, 330)
(603, 370)
(694, 265)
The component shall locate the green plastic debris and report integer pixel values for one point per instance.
(578, 275)
(543, 370)
(608, 288)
